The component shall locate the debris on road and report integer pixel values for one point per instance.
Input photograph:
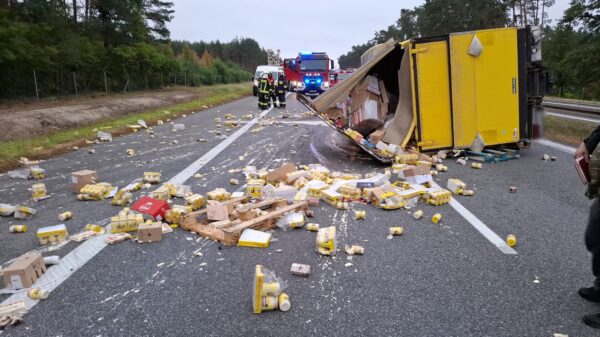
(149, 231)
(513, 189)
(24, 271)
(360, 215)
(354, 250)
(417, 214)
(23, 212)
(300, 269)
(17, 229)
(511, 240)
(38, 294)
(81, 178)
(326, 241)
(436, 218)
(312, 227)
(267, 288)
(396, 231)
(65, 216)
(254, 238)
(116, 238)
(52, 234)
(51, 260)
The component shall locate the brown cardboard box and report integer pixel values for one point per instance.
(82, 178)
(384, 96)
(216, 211)
(376, 136)
(24, 271)
(415, 171)
(280, 174)
(150, 232)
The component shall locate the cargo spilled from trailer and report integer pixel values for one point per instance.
(457, 91)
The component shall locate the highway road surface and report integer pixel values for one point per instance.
(453, 279)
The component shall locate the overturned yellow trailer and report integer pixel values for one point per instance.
(440, 93)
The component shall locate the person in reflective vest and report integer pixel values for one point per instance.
(272, 97)
(280, 89)
(263, 92)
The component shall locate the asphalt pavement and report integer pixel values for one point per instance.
(435, 280)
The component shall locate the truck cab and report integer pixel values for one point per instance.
(308, 73)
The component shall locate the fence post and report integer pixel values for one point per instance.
(105, 86)
(582, 92)
(75, 83)
(185, 79)
(37, 94)
(126, 84)
(146, 78)
(175, 78)
(161, 81)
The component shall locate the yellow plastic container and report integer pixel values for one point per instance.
(511, 240)
(436, 218)
(65, 216)
(17, 228)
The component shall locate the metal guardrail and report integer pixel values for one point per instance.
(564, 105)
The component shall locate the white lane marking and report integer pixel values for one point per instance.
(583, 119)
(79, 256)
(556, 146)
(481, 227)
(194, 167)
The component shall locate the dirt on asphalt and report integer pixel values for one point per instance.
(19, 121)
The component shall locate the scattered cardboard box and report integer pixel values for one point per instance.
(24, 271)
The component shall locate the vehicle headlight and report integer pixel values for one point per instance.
(256, 83)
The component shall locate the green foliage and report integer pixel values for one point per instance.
(571, 51)
(125, 41)
(435, 17)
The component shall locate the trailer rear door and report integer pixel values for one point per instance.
(432, 92)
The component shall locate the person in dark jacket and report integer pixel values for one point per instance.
(592, 233)
(281, 88)
(264, 92)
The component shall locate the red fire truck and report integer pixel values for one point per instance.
(308, 73)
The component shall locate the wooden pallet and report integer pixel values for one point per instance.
(493, 156)
(228, 231)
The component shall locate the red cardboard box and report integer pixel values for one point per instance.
(153, 207)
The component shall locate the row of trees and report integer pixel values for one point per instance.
(438, 17)
(50, 47)
(570, 48)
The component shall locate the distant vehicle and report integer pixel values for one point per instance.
(274, 70)
(338, 76)
(308, 73)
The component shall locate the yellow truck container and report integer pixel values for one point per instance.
(440, 93)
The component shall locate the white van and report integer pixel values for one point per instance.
(274, 70)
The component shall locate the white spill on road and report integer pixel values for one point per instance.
(87, 250)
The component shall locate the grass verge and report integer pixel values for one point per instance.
(41, 147)
(566, 131)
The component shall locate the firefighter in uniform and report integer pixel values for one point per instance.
(263, 92)
(280, 89)
(272, 97)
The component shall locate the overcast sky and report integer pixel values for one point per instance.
(332, 26)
